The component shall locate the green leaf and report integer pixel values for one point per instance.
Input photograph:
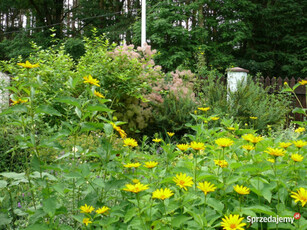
(130, 214)
(47, 109)
(262, 209)
(65, 227)
(99, 108)
(3, 184)
(40, 226)
(49, 206)
(4, 219)
(69, 100)
(179, 220)
(22, 108)
(216, 205)
(13, 175)
(78, 112)
(267, 194)
(299, 110)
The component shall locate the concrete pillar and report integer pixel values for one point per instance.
(4, 93)
(234, 76)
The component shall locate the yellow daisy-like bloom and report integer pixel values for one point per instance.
(251, 138)
(121, 132)
(136, 181)
(271, 160)
(253, 118)
(130, 142)
(87, 209)
(102, 210)
(86, 221)
(135, 188)
(170, 134)
(162, 194)
(19, 101)
(248, 147)
(300, 130)
(132, 165)
(28, 65)
(206, 187)
(224, 142)
(233, 222)
(300, 195)
(214, 118)
(183, 181)
(157, 140)
(231, 128)
(221, 163)
(303, 82)
(183, 147)
(284, 144)
(150, 164)
(203, 109)
(277, 152)
(197, 145)
(98, 94)
(300, 143)
(297, 157)
(89, 79)
(241, 189)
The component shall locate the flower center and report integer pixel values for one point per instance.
(182, 182)
(233, 226)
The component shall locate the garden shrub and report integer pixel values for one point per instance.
(251, 104)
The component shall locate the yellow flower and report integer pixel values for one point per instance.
(224, 142)
(303, 82)
(19, 101)
(87, 209)
(162, 194)
(253, 118)
(150, 164)
(183, 181)
(300, 130)
(297, 157)
(241, 189)
(98, 94)
(206, 187)
(231, 128)
(197, 145)
(170, 134)
(284, 144)
(203, 109)
(221, 163)
(121, 132)
(87, 221)
(130, 142)
(89, 79)
(285, 83)
(299, 143)
(251, 138)
(248, 147)
(214, 118)
(271, 160)
(136, 181)
(277, 152)
(301, 196)
(28, 65)
(183, 147)
(157, 140)
(233, 222)
(135, 188)
(132, 165)
(102, 210)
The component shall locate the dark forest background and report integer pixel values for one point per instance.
(267, 36)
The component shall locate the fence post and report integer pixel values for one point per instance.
(234, 76)
(4, 94)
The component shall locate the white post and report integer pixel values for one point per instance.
(4, 94)
(143, 40)
(234, 76)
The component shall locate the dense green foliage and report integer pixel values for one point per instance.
(262, 36)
